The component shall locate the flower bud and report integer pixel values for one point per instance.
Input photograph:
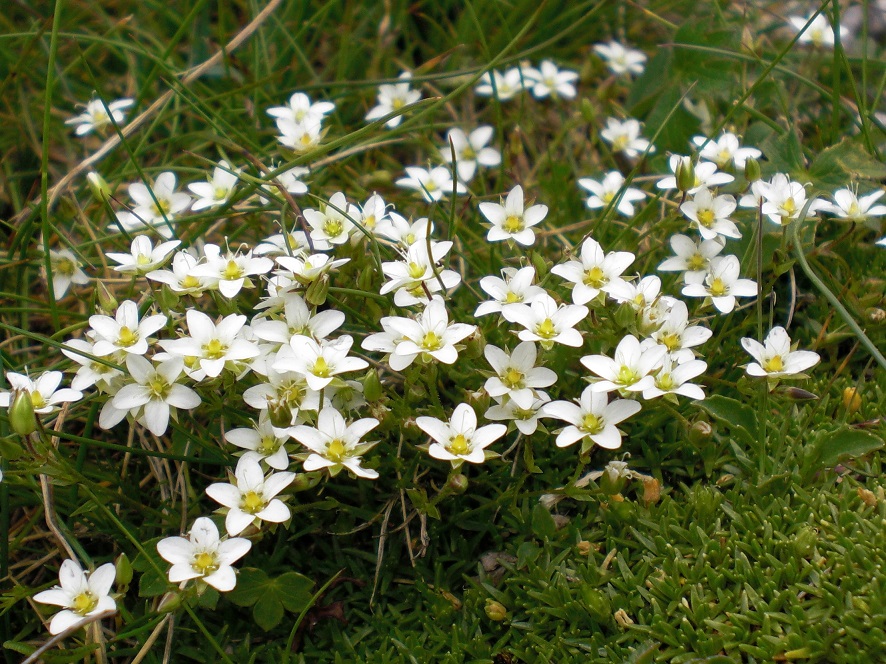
(457, 483)
(365, 279)
(541, 265)
(685, 173)
(587, 110)
(851, 400)
(21, 413)
(495, 610)
(280, 414)
(170, 602)
(474, 345)
(752, 170)
(700, 432)
(124, 572)
(372, 387)
(107, 303)
(317, 291)
(305, 481)
(98, 186)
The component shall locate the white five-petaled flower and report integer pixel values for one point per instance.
(675, 333)
(283, 392)
(204, 555)
(373, 212)
(90, 372)
(849, 206)
(596, 272)
(95, 116)
(705, 175)
(525, 419)
(605, 191)
(297, 320)
(515, 288)
(143, 256)
(470, 151)
(550, 81)
(80, 594)
(253, 498)
(546, 322)
(418, 274)
(216, 191)
(397, 229)
(502, 86)
(125, 333)
(152, 395)
(725, 151)
(335, 444)
(156, 205)
(774, 357)
(434, 183)
(290, 180)
(308, 268)
(263, 441)
(710, 214)
(820, 33)
(394, 97)
(430, 336)
(459, 439)
(211, 345)
(673, 378)
(592, 418)
(721, 283)
(333, 223)
(625, 137)
(516, 374)
(318, 362)
(65, 268)
(511, 221)
(692, 257)
(180, 278)
(44, 391)
(631, 370)
(299, 136)
(620, 59)
(301, 109)
(232, 269)
(784, 199)
(639, 295)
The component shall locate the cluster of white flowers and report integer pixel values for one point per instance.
(546, 80)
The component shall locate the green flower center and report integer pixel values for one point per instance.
(158, 387)
(431, 341)
(627, 376)
(590, 423)
(458, 445)
(333, 227)
(546, 329)
(336, 451)
(205, 563)
(513, 224)
(161, 207)
(84, 603)
(398, 103)
(620, 143)
(232, 271)
(214, 350)
(672, 341)
(717, 288)
(772, 365)
(321, 368)
(665, 382)
(512, 298)
(268, 445)
(37, 399)
(252, 502)
(293, 393)
(220, 193)
(512, 378)
(127, 337)
(696, 262)
(143, 259)
(468, 153)
(705, 218)
(416, 271)
(595, 277)
(65, 266)
(189, 282)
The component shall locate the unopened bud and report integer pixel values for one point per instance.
(21, 413)
(587, 111)
(169, 603)
(364, 281)
(540, 264)
(797, 393)
(851, 399)
(98, 186)
(280, 414)
(124, 571)
(495, 610)
(700, 432)
(597, 603)
(317, 291)
(107, 303)
(752, 171)
(475, 345)
(457, 483)
(305, 481)
(651, 490)
(372, 387)
(804, 541)
(685, 173)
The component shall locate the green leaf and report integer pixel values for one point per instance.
(250, 586)
(543, 523)
(845, 161)
(784, 152)
(834, 446)
(270, 596)
(9, 449)
(297, 591)
(712, 71)
(268, 612)
(738, 416)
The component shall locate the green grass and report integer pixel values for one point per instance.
(767, 541)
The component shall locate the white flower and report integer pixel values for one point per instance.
(216, 191)
(181, 279)
(290, 180)
(95, 116)
(203, 556)
(309, 268)
(721, 283)
(417, 274)
(548, 80)
(516, 374)
(211, 345)
(820, 33)
(297, 321)
(510, 221)
(302, 109)
(630, 371)
(44, 391)
(90, 372)
(515, 288)
(459, 439)
(705, 175)
(847, 205)
(621, 60)
(392, 98)
(143, 256)
(639, 295)
(725, 151)
(335, 444)
(299, 137)
(784, 199)
(672, 379)
(283, 392)
(151, 396)
(710, 215)
(434, 183)
(318, 362)
(231, 269)
(605, 191)
(333, 223)
(625, 137)
(596, 272)
(372, 213)
(80, 594)
(692, 258)
(65, 268)
(470, 151)
(252, 498)
(774, 357)
(546, 322)
(675, 333)
(593, 419)
(525, 419)
(159, 204)
(404, 233)
(125, 333)
(293, 243)
(263, 441)
(430, 335)
(502, 86)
